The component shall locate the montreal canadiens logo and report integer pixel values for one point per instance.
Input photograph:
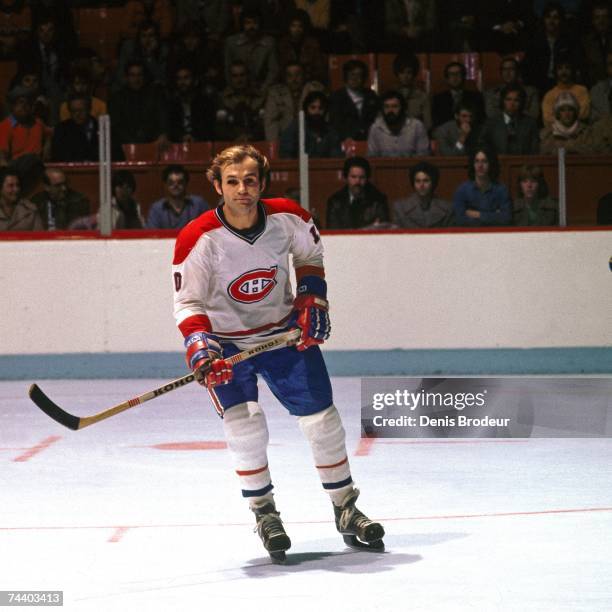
(253, 286)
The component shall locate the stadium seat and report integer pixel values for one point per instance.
(187, 152)
(268, 147)
(335, 69)
(141, 152)
(100, 29)
(354, 148)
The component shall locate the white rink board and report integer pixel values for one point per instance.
(406, 291)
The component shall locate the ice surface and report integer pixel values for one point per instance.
(143, 512)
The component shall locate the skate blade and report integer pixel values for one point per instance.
(278, 557)
(353, 542)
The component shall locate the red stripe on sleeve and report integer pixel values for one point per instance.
(191, 233)
(274, 206)
(308, 271)
(195, 323)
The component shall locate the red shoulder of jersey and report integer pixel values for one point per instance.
(274, 206)
(192, 232)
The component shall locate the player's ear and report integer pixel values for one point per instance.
(262, 185)
(217, 186)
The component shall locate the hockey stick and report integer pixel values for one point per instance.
(74, 422)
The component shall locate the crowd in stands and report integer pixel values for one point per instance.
(186, 71)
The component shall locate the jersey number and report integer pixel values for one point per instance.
(315, 235)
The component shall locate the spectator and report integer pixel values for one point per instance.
(190, 114)
(423, 208)
(354, 107)
(406, 68)
(177, 208)
(410, 26)
(51, 57)
(298, 46)
(189, 50)
(125, 211)
(16, 213)
(137, 111)
(15, 22)
(566, 131)
(321, 140)
(604, 210)
(534, 206)
(549, 42)
(394, 134)
(240, 110)
(460, 26)
(509, 71)
(513, 133)
(212, 17)
(600, 132)
(284, 100)
(21, 133)
(507, 24)
(81, 84)
(256, 50)
(444, 103)
(319, 13)
(601, 93)
(460, 135)
(139, 11)
(358, 204)
(61, 12)
(29, 78)
(566, 82)
(597, 42)
(482, 201)
(76, 139)
(147, 48)
(58, 204)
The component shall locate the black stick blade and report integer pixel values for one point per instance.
(51, 409)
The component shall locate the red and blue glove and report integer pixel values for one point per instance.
(311, 312)
(204, 357)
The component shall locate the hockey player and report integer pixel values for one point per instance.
(232, 290)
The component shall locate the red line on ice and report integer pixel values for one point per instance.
(118, 534)
(38, 448)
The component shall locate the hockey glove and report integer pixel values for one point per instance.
(311, 312)
(204, 357)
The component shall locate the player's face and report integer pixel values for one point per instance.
(356, 180)
(422, 184)
(529, 187)
(241, 189)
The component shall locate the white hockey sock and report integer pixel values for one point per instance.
(246, 432)
(325, 433)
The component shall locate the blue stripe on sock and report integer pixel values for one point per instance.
(258, 492)
(337, 485)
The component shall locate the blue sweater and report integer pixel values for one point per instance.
(493, 204)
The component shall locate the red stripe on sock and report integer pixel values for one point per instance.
(325, 467)
(252, 472)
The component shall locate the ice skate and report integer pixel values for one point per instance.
(357, 530)
(271, 531)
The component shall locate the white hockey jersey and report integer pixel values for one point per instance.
(239, 288)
